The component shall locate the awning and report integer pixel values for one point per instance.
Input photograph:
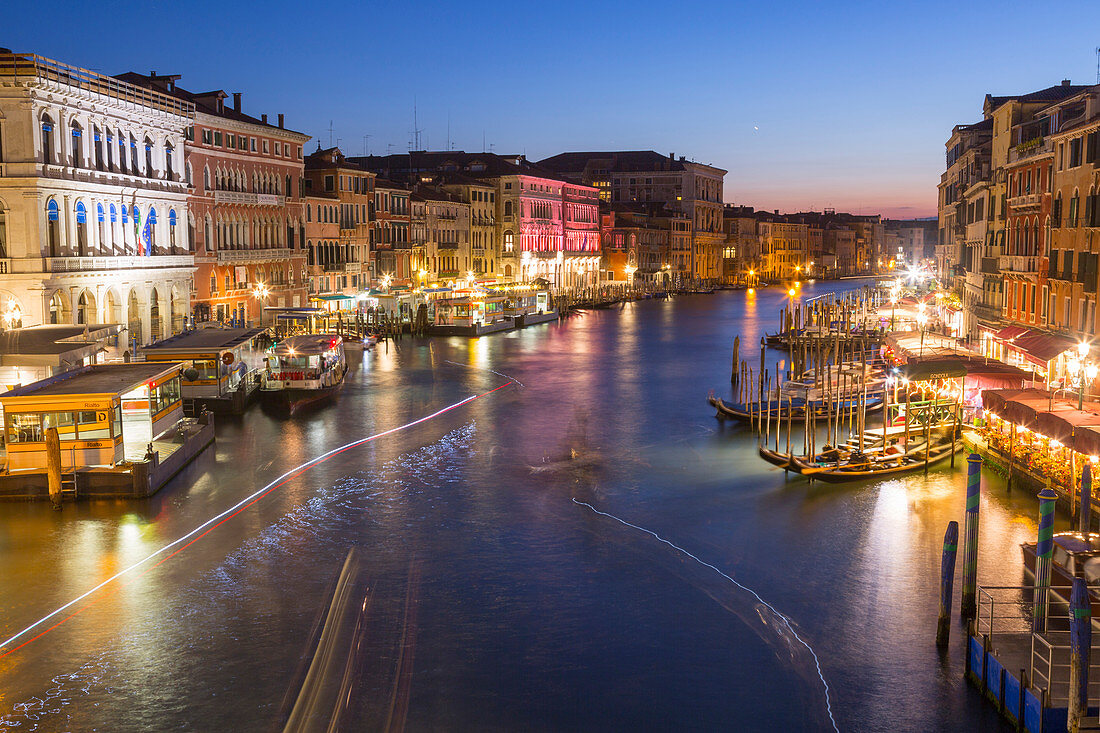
(1040, 348)
(1010, 332)
(1063, 424)
(934, 369)
(338, 296)
(1086, 440)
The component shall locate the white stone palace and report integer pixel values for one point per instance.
(83, 159)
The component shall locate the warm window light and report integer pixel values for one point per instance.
(1083, 349)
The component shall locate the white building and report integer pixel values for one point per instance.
(82, 155)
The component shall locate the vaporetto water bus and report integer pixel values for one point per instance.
(303, 370)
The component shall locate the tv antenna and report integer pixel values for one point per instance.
(1098, 64)
(366, 144)
(414, 143)
(330, 131)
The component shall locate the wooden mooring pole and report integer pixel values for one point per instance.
(1043, 552)
(947, 583)
(969, 606)
(1084, 518)
(736, 361)
(53, 466)
(1080, 648)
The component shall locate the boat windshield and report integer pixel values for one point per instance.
(295, 362)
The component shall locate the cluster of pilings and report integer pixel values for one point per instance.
(1080, 616)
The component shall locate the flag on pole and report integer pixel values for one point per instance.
(137, 225)
(146, 241)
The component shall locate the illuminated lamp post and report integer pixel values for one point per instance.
(922, 320)
(1082, 372)
(630, 270)
(259, 292)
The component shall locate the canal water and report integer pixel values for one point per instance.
(509, 576)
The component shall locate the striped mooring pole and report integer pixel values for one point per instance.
(1085, 514)
(1080, 646)
(969, 606)
(1043, 552)
(947, 582)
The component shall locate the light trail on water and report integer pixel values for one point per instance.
(213, 523)
(786, 621)
(483, 369)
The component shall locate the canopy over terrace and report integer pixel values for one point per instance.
(905, 345)
(1042, 434)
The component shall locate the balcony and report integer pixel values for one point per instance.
(250, 199)
(446, 245)
(104, 264)
(333, 267)
(1026, 202)
(1030, 149)
(246, 256)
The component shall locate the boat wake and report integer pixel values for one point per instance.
(483, 369)
(768, 615)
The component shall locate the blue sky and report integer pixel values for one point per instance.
(807, 104)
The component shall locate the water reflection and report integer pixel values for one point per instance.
(529, 614)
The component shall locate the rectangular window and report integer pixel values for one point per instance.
(206, 137)
(1075, 152)
(266, 147)
(218, 138)
(330, 183)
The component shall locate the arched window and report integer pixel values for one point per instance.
(101, 219)
(190, 232)
(507, 208)
(134, 157)
(169, 171)
(1073, 203)
(1057, 212)
(206, 178)
(213, 284)
(77, 146)
(151, 226)
(509, 241)
(85, 309)
(114, 220)
(97, 144)
(3, 233)
(57, 309)
(187, 173)
(47, 139)
(81, 229)
(121, 151)
(208, 235)
(172, 229)
(109, 145)
(149, 170)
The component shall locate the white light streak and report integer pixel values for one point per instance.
(787, 621)
(483, 369)
(197, 530)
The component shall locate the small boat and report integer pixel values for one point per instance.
(797, 408)
(859, 466)
(302, 370)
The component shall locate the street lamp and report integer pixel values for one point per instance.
(387, 278)
(922, 319)
(630, 270)
(1082, 372)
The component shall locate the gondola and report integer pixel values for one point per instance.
(796, 408)
(869, 467)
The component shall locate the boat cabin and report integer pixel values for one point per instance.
(469, 310)
(307, 362)
(104, 414)
(216, 360)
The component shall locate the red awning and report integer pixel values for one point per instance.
(1010, 332)
(1040, 348)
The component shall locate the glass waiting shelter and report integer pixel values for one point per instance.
(214, 359)
(104, 414)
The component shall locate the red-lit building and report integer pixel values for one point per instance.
(245, 206)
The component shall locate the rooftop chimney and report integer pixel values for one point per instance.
(777, 212)
(280, 119)
(1065, 82)
(672, 156)
(237, 101)
(263, 119)
(152, 74)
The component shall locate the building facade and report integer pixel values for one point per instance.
(328, 172)
(93, 201)
(246, 206)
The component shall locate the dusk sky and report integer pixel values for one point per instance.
(807, 104)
